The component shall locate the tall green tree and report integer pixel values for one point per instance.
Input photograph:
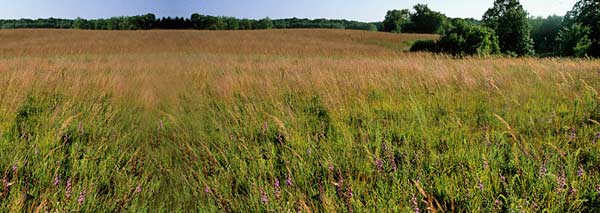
(509, 20)
(544, 32)
(265, 23)
(581, 32)
(425, 20)
(80, 23)
(574, 40)
(396, 20)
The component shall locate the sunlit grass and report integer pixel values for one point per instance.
(289, 120)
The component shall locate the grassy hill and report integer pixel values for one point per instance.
(287, 121)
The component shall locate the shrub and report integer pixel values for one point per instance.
(463, 39)
(424, 46)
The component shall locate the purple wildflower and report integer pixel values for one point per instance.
(480, 185)
(263, 196)
(573, 134)
(573, 192)
(350, 192)
(331, 167)
(80, 127)
(597, 138)
(543, 170)
(562, 181)
(498, 203)
(81, 198)
(580, 171)
(277, 187)
(14, 168)
(383, 146)
(379, 164)
(138, 189)
(69, 189)
(415, 204)
(288, 181)
(339, 185)
(393, 162)
(265, 126)
(207, 190)
(503, 178)
(57, 180)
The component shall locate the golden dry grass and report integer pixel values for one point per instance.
(216, 89)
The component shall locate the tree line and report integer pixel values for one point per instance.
(196, 21)
(505, 29)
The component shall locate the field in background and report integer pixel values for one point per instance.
(289, 120)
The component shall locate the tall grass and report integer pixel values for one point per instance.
(289, 120)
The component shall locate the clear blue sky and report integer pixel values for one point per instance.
(360, 10)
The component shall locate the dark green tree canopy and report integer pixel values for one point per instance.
(425, 20)
(463, 38)
(582, 29)
(265, 23)
(574, 40)
(396, 20)
(509, 20)
(196, 21)
(544, 32)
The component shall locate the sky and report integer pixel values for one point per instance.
(359, 10)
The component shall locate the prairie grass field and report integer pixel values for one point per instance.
(289, 121)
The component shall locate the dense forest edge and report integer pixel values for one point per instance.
(195, 21)
(505, 29)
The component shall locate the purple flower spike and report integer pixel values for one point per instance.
(81, 198)
(277, 189)
(263, 196)
(80, 127)
(57, 180)
(379, 164)
(138, 189)
(288, 181)
(543, 170)
(69, 189)
(415, 204)
(562, 181)
(350, 192)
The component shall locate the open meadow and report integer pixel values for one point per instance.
(289, 121)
